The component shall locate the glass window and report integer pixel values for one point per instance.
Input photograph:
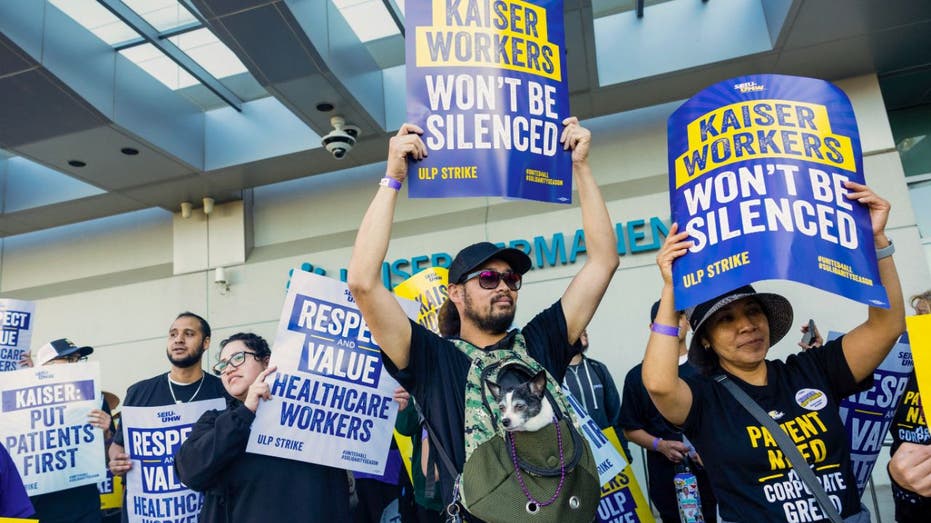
(97, 19)
(369, 19)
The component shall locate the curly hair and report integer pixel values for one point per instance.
(448, 319)
(255, 342)
(926, 296)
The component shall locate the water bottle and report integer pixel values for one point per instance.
(687, 493)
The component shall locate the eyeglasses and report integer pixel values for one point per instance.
(489, 279)
(234, 361)
(71, 358)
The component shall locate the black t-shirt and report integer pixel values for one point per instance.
(437, 371)
(638, 410)
(749, 475)
(909, 426)
(155, 392)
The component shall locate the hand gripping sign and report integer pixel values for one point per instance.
(486, 81)
(44, 426)
(757, 166)
(332, 399)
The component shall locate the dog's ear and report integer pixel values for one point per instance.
(538, 383)
(494, 388)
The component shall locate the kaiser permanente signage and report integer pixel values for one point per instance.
(634, 237)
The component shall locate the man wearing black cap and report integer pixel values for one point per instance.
(484, 280)
(645, 426)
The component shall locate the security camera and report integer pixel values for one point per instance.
(340, 140)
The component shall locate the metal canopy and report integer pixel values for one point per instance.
(67, 94)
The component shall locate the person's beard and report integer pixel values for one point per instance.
(491, 323)
(189, 360)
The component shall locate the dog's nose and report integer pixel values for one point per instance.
(506, 422)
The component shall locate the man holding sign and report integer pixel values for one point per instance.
(186, 382)
(483, 285)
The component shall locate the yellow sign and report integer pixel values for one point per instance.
(762, 129)
(614, 493)
(919, 337)
(114, 498)
(428, 288)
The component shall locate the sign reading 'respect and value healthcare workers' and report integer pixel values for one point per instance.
(15, 331)
(486, 81)
(868, 414)
(332, 401)
(153, 436)
(757, 166)
(44, 426)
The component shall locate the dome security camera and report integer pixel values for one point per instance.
(340, 140)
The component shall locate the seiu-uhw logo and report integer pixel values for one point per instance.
(748, 87)
(168, 415)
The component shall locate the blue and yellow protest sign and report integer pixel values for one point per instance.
(757, 166)
(44, 426)
(487, 83)
(152, 436)
(621, 497)
(868, 414)
(111, 491)
(16, 317)
(919, 334)
(622, 501)
(332, 400)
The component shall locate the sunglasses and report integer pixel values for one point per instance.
(234, 361)
(489, 279)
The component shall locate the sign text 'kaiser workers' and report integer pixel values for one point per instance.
(332, 400)
(153, 436)
(757, 166)
(487, 83)
(44, 426)
(16, 318)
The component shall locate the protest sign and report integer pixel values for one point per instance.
(111, 491)
(622, 501)
(331, 398)
(153, 436)
(44, 426)
(867, 415)
(919, 333)
(621, 498)
(16, 318)
(486, 81)
(757, 166)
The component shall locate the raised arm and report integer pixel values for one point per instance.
(384, 316)
(866, 346)
(671, 395)
(584, 293)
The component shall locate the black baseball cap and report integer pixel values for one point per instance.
(479, 253)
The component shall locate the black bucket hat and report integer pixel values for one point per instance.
(479, 253)
(778, 311)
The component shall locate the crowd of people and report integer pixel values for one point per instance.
(692, 400)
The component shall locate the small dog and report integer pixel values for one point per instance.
(522, 401)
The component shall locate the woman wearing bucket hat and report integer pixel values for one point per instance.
(732, 335)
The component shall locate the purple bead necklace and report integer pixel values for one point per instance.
(533, 504)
